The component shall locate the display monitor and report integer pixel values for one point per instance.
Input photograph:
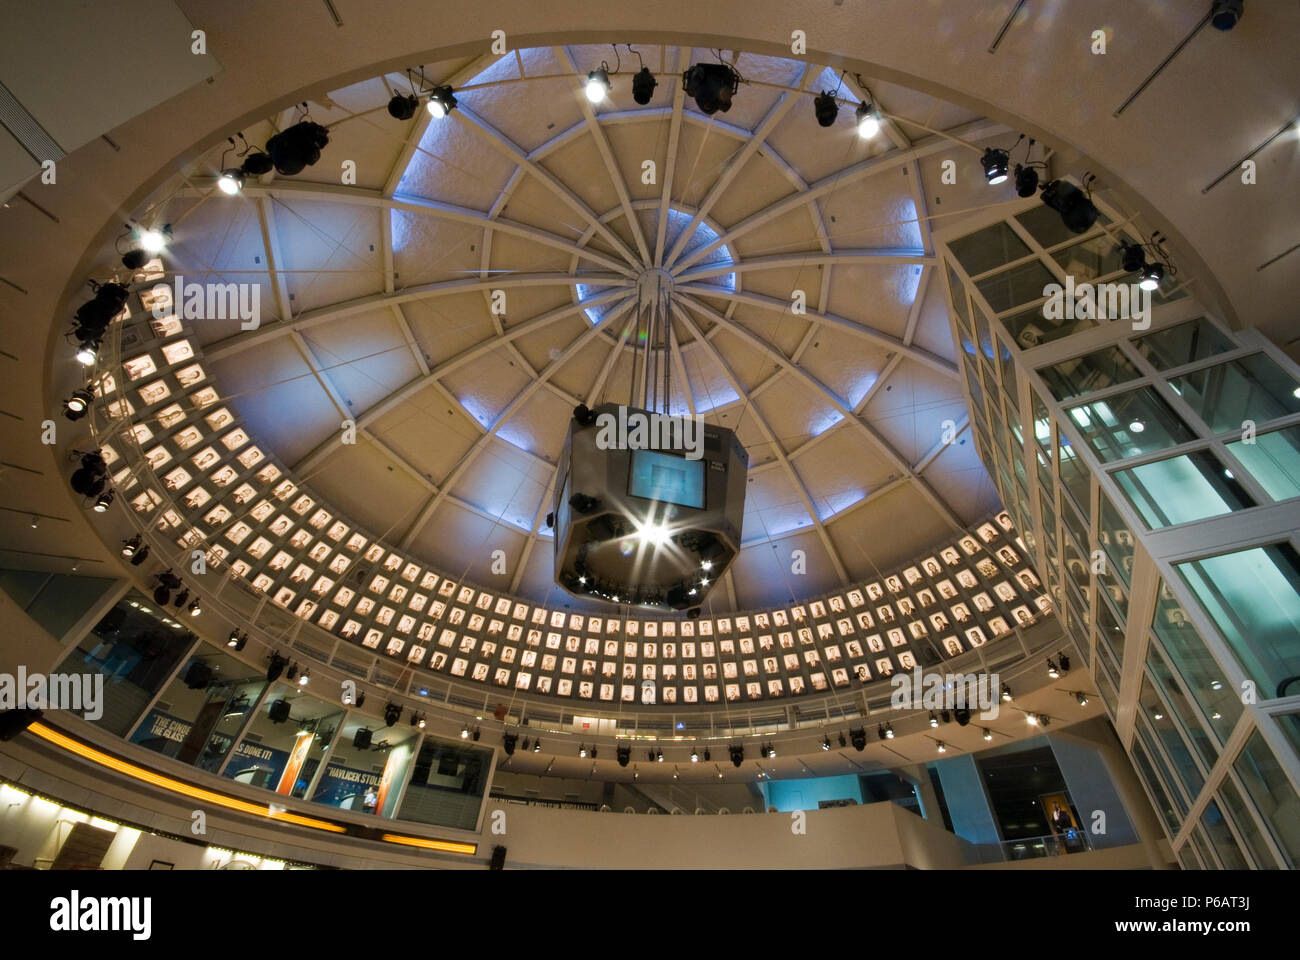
(667, 478)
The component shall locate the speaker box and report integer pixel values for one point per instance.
(279, 711)
(498, 861)
(362, 739)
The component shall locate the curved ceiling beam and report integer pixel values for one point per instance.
(975, 130)
(311, 318)
(512, 150)
(670, 164)
(615, 176)
(885, 256)
(738, 160)
(334, 193)
(795, 480)
(383, 406)
(893, 456)
(503, 417)
(925, 357)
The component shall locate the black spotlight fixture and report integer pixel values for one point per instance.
(295, 148)
(257, 163)
(233, 639)
(141, 556)
(508, 741)
(1132, 257)
(858, 737)
(934, 721)
(402, 106)
(762, 751)
(643, 86)
(231, 180)
(292, 673)
(712, 85)
(995, 163)
(537, 745)
(275, 666)
(826, 108)
(826, 743)
(1150, 275)
(1064, 660)
(129, 547)
(134, 259)
(737, 754)
(1026, 181)
(441, 102)
(707, 757)
(1078, 213)
(961, 715)
(1224, 14)
(624, 755)
(392, 713)
(167, 582)
(844, 742)
(104, 501)
(88, 480)
(1006, 693)
(1052, 670)
(183, 598)
(583, 415)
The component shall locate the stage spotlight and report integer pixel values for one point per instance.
(597, 85)
(104, 501)
(995, 163)
(1151, 275)
(988, 734)
(129, 547)
(940, 745)
(275, 666)
(141, 556)
(1064, 660)
(77, 404)
(593, 749)
(1224, 14)
(826, 743)
(707, 757)
(256, 164)
(441, 102)
(737, 754)
(695, 756)
(868, 121)
(858, 736)
(1052, 671)
(624, 755)
(582, 751)
(508, 741)
(292, 673)
(154, 241)
(402, 106)
(537, 746)
(464, 732)
(195, 609)
(1026, 181)
(233, 639)
(304, 678)
(889, 731)
(961, 715)
(1006, 693)
(826, 108)
(1081, 698)
(842, 740)
(1078, 213)
(659, 757)
(298, 147)
(87, 350)
(392, 713)
(712, 85)
(231, 181)
(643, 86)
(1131, 257)
(934, 721)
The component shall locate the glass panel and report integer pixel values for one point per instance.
(1023, 284)
(285, 743)
(1074, 476)
(1116, 538)
(1029, 328)
(1273, 795)
(198, 715)
(1106, 688)
(1187, 857)
(1110, 628)
(1130, 424)
(1183, 343)
(1093, 371)
(1253, 597)
(958, 295)
(447, 785)
(1148, 740)
(1157, 715)
(1230, 799)
(1089, 259)
(1160, 798)
(1273, 460)
(135, 646)
(1227, 394)
(1179, 490)
(985, 335)
(1010, 382)
(1184, 714)
(1225, 845)
(986, 249)
(1220, 705)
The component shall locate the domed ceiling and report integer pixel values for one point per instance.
(455, 287)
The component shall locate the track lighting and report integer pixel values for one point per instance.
(659, 757)
(1006, 693)
(843, 742)
(1131, 257)
(1052, 671)
(392, 713)
(256, 164)
(1081, 698)
(1031, 719)
(988, 734)
(104, 501)
(418, 721)
(934, 721)
(1078, 213)
(537, 746)
(402, 106)
(712, 85)
(275, 666)
(195, 609)
(89, 479)
(234, 639)
(129, 547)
(86, 352)
(154, 241)
(292, 673)
(1026, 181)
(941, 747)
(737, 752)
(508, 741)
(304, 678)
(598, 85)
(441, 102)
(858, 736)
(889, 731)
(1151, 275)
(624, 754)
(78, 404)
(582, 751)
(297, 147)
(995, 163)
(1224, 14)
(868, 121)
(231, 181)
(826, 109)
(695, 756)
(464, 732)
(826, 743)
(1064, 660)
(141, 556)
(643, 86)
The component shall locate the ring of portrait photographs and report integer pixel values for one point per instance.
(225, 495)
